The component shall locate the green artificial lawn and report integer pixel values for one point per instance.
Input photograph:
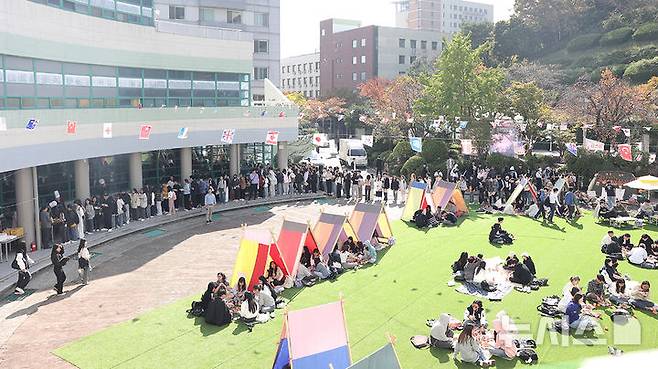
(396, 296)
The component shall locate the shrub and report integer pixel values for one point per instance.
(502, 163)
(583, 42)
(615, 57)
(619, 69)
(584, 61)
(401, 153)
(641, 71)
(647, 52)
(595, 75)
(434, 151)
(647, 31)
(413, 165)
(616, 37)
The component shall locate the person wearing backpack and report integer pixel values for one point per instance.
(22, 264)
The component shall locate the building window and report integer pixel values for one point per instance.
(260, 73)
(176, 12)
(402, 42)
(261, 46)
(317, 66)
(363, 59)
(262, 19)
(234, 17)
(355, 43)
(412, 59)
(435, 45)
(412, 44)
(363, 76)
(401, 59)
(354, 59)
(323, 32)
(423, 45)
(355, 76)
(206, 14)
(283, 69)
(363, 42)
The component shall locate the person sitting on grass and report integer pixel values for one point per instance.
(458, 266)
(498, 235)
(432, 221)
(503, 346)
(471, 268)
(568, 292)
(511, 261)
(625, 242)
(529, 263)
(618, 294)
(217, 311)
(469, 349)
(580, 317)
(320, 268)
(357, 249)
(609, 271)
(653, 251)
(238, 293)
(610, 244)
(639, 256)
(447, 218)
(475, 315)
(275, 275)
(441, 334)
(646, 210)
(640, 298)
(370, 255)
(645, 241)
(264, 299)
(521, 275)
(348, 260)
(249, 308)
(596, 292)
(419, 219)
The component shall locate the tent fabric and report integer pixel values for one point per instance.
(384, 358)
(517, 192)
(460, 203)
(282, 357)
(329, 229)
(368, 219)
(290, 244)
(415, 200)
(648, 183)
(254, 251)
(310, 349)
(384, 226)
(442, 193)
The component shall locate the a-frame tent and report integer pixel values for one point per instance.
(415, 200)
(370, 220)
(384, 358)
(329, 229)
(445, 193)
(290, 244)
(301, 347)
(257, 249)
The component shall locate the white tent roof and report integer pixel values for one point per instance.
(649, 183)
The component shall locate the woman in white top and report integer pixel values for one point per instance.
(567, 294)
(84, 267)
(171, 197)
(22, 262)
(378, 189)
(80, 211)
(249, 308)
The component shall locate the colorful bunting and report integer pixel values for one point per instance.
(625, 152)
(227, 136)
(182, 133)
(463, 124)
(32, 124)
(617, 128)
(647, 128)
(71, 127)
(340, 117)
(107, 130)
(627, 132)
(572, 148)
(367, 140)
(272, 138)
(145, 131)
(467, 147)
(593, 145)
(416, 144)
(282, 114)
(320, 139)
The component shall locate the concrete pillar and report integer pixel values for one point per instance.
(25, 207)
(282, 155)
(646, 141)
(135, 170)
(185, 163)
(234, 163)
(81, 168)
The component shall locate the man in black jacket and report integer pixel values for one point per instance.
(386, 185)
(58, 260)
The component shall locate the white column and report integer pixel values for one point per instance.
(282, 155)
(25, 204)
(185, 163)
(81, 168)
(135, 170)
(234, 163)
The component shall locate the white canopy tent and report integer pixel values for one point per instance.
(647, 183)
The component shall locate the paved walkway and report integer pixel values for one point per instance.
(134, 274)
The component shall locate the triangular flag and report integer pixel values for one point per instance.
(416, 144)
(625, 152)
(652, 158)
(282, 114)
(107, 130)
(572, 148)
(638, 157)
(410, 120)
(71, 127)
(320, 139)
(272, 138)
(393, 115)
(182, 133)
(647, 128)
(617, 128)
(463, 124)
(32, 124)
(145, 131)
(367, 140)
(3, 124)
(627, 132)
(227, 136)
(340, 117)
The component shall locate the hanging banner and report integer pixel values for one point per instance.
(463, 124)
(647, 128)
(107, 130)
(367, 140)
(593, 145)
(182, 133)
(363, 118)
(416, 144)
(145, 131)
(627, 132)
(564, 127)
(467, 147)
(572, 148)
(617, 128)
(32, 124)
(71, 127)
(320, 139)
(340, 117)
(625, 152)
(272, 138)
(227, 136)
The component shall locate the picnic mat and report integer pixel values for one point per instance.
(473, 290)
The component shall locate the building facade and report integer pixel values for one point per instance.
(441, 15)
(260, 18)
(351, 54)
(301, 74)
(105, 99)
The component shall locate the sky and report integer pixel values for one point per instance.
(300, 19)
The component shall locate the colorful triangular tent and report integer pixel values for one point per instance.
(445, 193)
(314, 338)
(384, 358)
(415, 200)
(370, 220)
(329, 229)
(253, 256)
(292, 239)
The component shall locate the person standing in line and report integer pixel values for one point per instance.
(46, 222)
(90, 214)
(395, 187)
(386, 185)
(187, 195)
(143, 203)
(80, 211)
(134, 204)
(84, 257)
(22, 263)
(221, 189)
(171, 199)
(254, 180)
(121, 214)
(58, 260)
(72, 223)
(210, 202)
(554, 201)
(158, 202)
(368, 187)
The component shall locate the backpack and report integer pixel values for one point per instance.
(14, 264)
(541, 282)
(524, 344)
(549, 311)
(197, 309)
(527, 356)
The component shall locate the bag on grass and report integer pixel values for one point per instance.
(549, 311)
(420, 342)
(197, 309)
(551, 300)
(525, 344)
(527, 356)
(541, 282)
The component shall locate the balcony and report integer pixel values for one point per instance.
(194, 30)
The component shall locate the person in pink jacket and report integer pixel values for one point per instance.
(504, 331)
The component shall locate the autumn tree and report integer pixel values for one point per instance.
(315, 111)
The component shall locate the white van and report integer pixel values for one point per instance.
(352, 153)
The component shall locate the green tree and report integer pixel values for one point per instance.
(526, 100)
